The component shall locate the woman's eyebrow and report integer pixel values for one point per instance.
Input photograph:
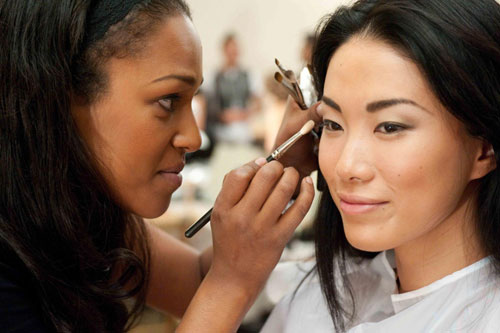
(328, 101)
(191, 80)
(383, 104)
(375, 106)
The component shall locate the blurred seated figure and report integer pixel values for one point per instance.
(234, 98)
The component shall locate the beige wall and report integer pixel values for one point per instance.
(267, 29)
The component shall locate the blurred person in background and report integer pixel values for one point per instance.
(307, 49)
(234, 98)
(274, 103)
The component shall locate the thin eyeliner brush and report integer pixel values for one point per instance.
(195, 227)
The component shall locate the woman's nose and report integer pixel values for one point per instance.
(354, 163)
(188, 136)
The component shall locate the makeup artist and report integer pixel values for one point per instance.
(95, 121)
(408, 228)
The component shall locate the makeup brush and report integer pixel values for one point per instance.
(293, 91)
(284, 82)
(195, 227)
(290, 75)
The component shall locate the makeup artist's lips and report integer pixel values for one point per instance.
(172, 175)
(354, 205)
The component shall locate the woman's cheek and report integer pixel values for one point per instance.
(329, 152)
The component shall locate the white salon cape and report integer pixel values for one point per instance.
(465, 301)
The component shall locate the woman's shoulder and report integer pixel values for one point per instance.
(19, 310)
(304, 308)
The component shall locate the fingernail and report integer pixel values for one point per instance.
(309, 180)
(260, 161)
(317, 107)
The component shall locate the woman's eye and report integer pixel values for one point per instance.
(390, 128)
(330, 126)
(167, 102)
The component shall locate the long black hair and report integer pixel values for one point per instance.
(456, 45)
(81, 253)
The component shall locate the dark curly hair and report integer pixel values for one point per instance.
(81, 253)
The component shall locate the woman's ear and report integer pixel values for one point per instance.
(485, 161)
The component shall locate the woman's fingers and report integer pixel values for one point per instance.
(236, 183)
(280, 196)
(298, 210)
(248, 240)
(262, 185)
(313, 113)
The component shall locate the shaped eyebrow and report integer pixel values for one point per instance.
(328, 101)
(191, 80)
(383, 104)
(374, 106)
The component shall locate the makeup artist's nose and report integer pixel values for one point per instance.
(188, 135)
(354, 163)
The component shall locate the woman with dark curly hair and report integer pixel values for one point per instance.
(95, 123)
(407, 235)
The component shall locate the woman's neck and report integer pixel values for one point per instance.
(449, 247)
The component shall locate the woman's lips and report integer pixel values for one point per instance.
(359, 206)
(173, 178)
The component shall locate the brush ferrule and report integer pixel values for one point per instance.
(285, 146)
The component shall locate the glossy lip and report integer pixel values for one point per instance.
(355, 205)
(173, 174)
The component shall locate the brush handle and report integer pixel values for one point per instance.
(300, 97)
(195, 227)
(293, 89)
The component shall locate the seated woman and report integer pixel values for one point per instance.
(409, 222)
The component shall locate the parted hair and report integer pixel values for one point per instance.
(456, 46)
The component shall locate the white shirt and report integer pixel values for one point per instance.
(465, 301)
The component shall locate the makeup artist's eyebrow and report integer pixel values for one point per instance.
(379, 105)
(191, 80)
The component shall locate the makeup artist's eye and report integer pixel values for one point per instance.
(167, 102)
(330, 126)
(390, 128)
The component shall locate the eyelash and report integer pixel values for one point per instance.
(328, 124)
(332, 126)
(169, 98)
(395, 126)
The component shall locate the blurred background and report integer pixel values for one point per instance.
(238, 110)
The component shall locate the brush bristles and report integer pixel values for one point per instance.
(307, 127)
(278, 77)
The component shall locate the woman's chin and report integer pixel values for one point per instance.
(368, 241)
(152, 209)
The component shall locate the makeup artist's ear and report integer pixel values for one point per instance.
(485, 161)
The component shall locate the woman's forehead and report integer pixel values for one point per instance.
(369, 70)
